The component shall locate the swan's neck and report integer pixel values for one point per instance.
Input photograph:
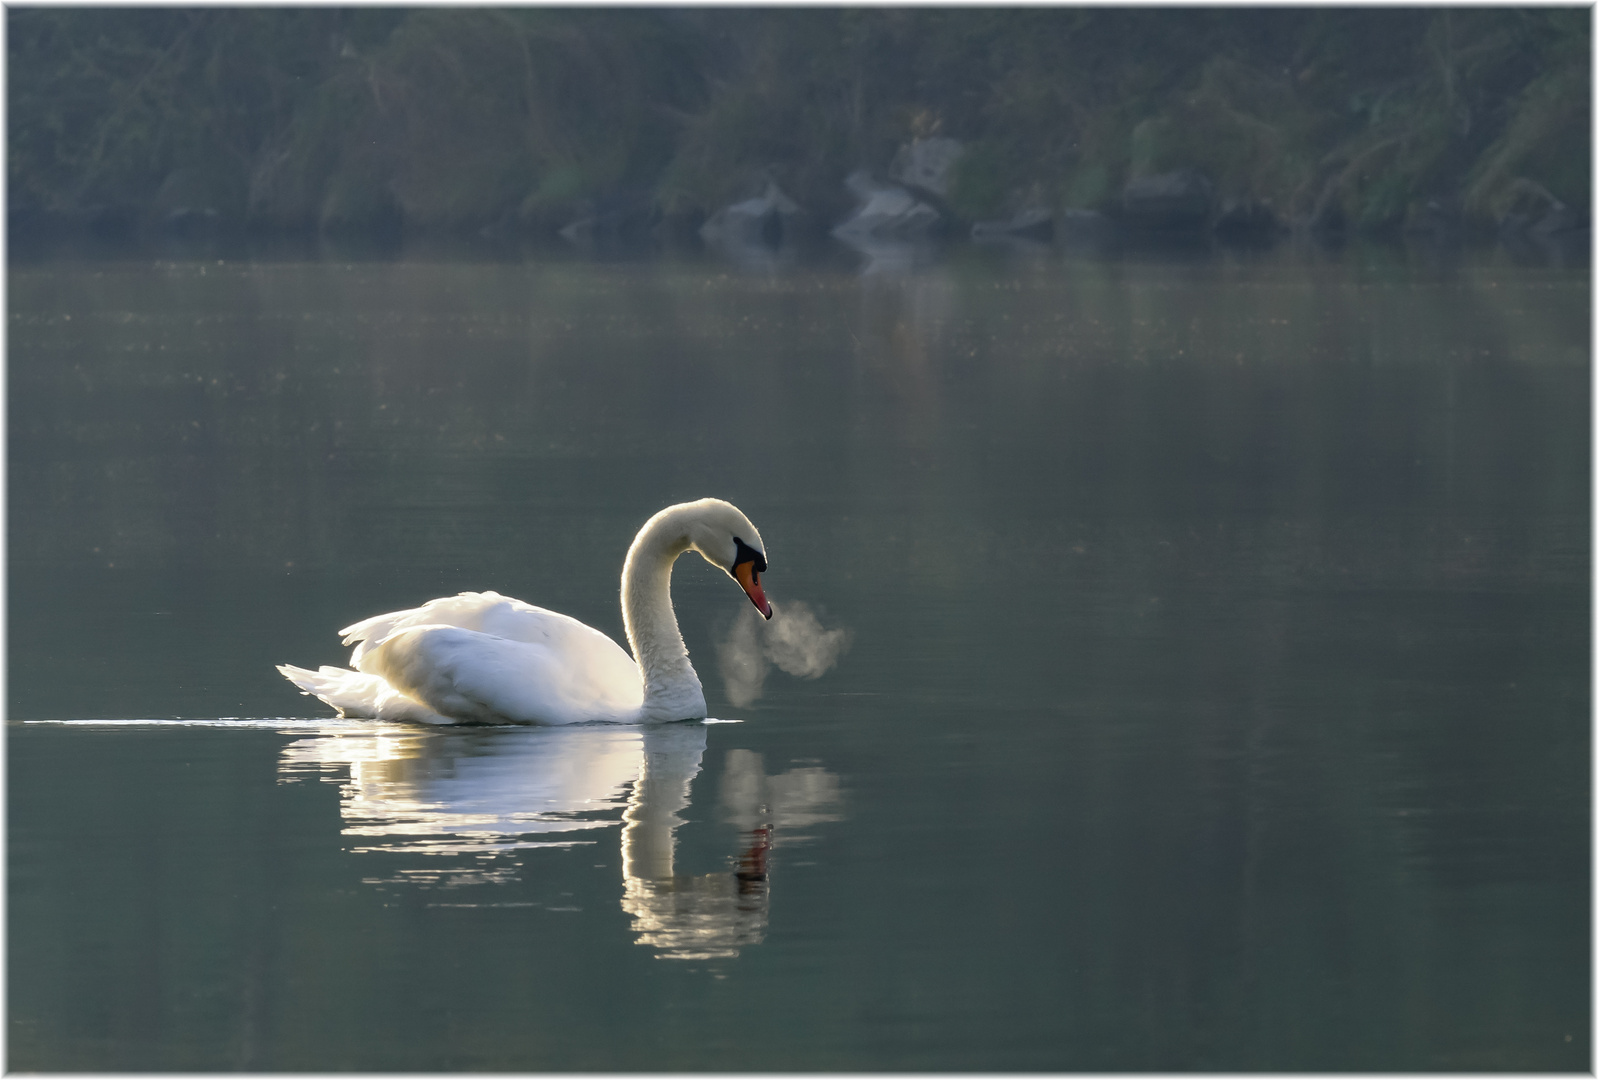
(671, 687)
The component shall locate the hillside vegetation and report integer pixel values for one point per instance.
(526, 119)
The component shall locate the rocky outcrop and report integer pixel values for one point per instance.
(1526, 207)
(185, 204)
(886, 212)
(1168, 202)
(1034, 223)
(1086, 230)
(1247, 220)
(927, 164)
(763, 221)
(1534, 224)
(1433, 218)
(621, 220)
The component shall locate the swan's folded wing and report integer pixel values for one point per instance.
(574, 677)
(486, 612)
(465, 610)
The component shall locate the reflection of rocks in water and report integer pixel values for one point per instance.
(493, 794)
(892, 259)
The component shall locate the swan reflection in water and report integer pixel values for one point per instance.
(485, 792)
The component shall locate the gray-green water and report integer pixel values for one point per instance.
(1216, 695)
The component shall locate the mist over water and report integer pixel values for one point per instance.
(793, 639)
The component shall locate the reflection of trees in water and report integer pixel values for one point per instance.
(352, 399)
(487, 792)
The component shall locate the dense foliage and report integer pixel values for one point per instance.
(529, 118)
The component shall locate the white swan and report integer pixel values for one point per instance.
(486, 658)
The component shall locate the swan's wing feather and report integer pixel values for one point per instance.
(486, 612)
(466, 610)
(572, 677)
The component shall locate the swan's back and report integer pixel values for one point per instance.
(487, 613)
(483, 656)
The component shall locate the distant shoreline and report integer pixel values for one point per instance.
(625, 128)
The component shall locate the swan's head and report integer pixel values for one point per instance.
(721, 533)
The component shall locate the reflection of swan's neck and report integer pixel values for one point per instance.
(672, 754)
(671, 688)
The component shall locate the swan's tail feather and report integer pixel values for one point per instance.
(350, 692)
(358, 696)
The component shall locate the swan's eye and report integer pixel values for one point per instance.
(744, 553)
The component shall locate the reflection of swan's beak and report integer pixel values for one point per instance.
(752, 863)
(750, 580)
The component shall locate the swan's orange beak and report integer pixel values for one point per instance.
(749, 578)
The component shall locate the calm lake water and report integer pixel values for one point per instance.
(1216, 691)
